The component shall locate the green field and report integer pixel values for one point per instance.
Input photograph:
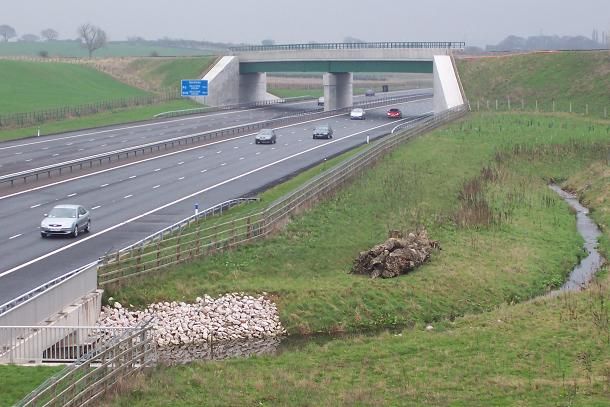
(32, 86)
(16, 381)
(168, 72)
(73, 49)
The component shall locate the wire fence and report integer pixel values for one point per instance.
(25, 119)
(198, 239)
(539, 106)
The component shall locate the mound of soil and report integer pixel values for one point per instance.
(398, 255)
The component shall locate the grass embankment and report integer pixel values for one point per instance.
(74, 49)
(546, 352)
(16, 382)
(579, 78)
(32, 86)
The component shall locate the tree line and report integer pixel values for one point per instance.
(90, 36)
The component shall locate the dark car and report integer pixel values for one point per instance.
(65, 220)
(265, 136)
(369, 92)
(323, 131)
(394, 113)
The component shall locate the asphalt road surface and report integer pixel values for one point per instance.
(134, 200)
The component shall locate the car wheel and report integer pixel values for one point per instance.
(88, 227)
(75, 231)
(273, 141)
(43, 234)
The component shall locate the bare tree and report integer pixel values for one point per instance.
(50, 34)
(91, 37)
(29, 38)
(7, 32)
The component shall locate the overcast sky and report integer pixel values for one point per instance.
(478, 22)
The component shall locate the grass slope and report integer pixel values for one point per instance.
(73, 49)
(577, 77)
(31, 86)
(16, 382)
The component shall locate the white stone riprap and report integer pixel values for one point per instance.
(232, 317)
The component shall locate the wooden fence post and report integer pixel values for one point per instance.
(178, 245)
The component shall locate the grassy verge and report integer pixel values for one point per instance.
(550, 351)
(101, 119)
(18, 381)
(524, 246)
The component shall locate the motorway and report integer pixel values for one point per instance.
(135, 199)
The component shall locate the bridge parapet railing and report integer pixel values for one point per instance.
(352, 45)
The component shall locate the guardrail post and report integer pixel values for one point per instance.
(158, 253)
(178, 245)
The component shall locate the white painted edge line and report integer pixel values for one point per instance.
(121, 129)
(184, 198)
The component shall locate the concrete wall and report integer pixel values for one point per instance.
(227, 87)
(447, 92)
(338, 90)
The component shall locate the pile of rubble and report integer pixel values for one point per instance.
(228, 318)
(398, 255)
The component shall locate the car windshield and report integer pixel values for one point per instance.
(62, 213)
(266, 132)
(394, 110)
(357, 111)
(322, 128)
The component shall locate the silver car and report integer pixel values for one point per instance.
(66, 220)
(265, 136)
(357, 114)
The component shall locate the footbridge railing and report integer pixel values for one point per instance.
(458, 45)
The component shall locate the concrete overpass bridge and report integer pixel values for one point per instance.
(242, 77)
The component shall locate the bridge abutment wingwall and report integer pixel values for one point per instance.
(226, 86)
(447, 93)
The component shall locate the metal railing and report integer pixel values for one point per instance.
(40, 302)
(185, 245)
(351, 45)
(56, 344)
(131, 152)
(108, 363)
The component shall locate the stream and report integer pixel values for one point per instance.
(578, 279)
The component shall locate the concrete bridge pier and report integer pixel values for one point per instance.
(252, 87)
(338, 90)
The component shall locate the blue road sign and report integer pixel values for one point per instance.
(194, 87)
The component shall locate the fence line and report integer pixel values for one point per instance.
(95, 372)
(539, 106)
(201, 240)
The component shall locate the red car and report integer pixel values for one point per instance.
(394, 113)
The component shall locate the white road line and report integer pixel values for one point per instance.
(258, 152)
(180, 179)
(96, 207)
(104, 185)
(19, 153)
(202, 171)
(162, 156)
(156, 186)
(235, 147)
(45, 148)
(35, 206)
(16, 236)
(223, 164)
(181, 162)
(133, 176)
(184, 198)
(241, 158)
(71, 195)
(55, 155)
(157, 170)
(127, 196)
(218, 152)
(201, 156)
(28, 160)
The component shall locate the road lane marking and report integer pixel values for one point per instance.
(157, 170)
(71, 195)
(127, 196)
(16, 236)
(104, 185)
(133, 176)
(35, 206)
(156, 186)
(96, 207)
(170, 154)
(202, 171)
(180, 179)
(181, 162)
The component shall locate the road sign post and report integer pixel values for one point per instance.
(194, 87)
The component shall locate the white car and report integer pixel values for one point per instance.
(357, 114)
(321, 101)
(66, 220)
